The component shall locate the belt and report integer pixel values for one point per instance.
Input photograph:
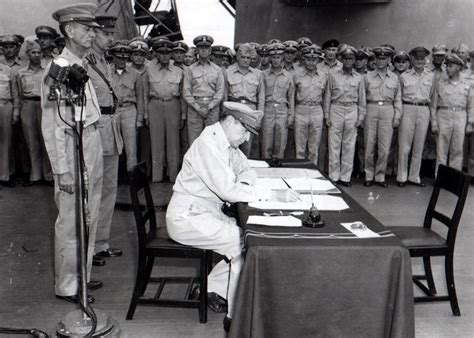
(416, 103)
(32, 98)
(241, 100)
(125, 104)
(381, 103)
(309, 103)
(107, 110)
(164, 99)
(453, 108)
(344, 104)
(4, 101)
(275, 104)
(203, 98)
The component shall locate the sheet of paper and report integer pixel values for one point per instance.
(258, 164)
(306, 184)
(288, 172)
(362, 233)
(271, 183)
(322, 202)
(283, 221)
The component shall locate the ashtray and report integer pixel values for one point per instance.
(358, 226)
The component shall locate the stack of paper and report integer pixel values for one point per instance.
(308, 184)
(271, 183)
(322, 202)
(283, 221)
(288, 172)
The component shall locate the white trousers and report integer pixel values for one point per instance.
(201, 224)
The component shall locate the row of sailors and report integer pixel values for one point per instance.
(177, 99)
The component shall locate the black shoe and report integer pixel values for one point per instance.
(345, 184)
(401, 184)
(75, 299)
(227, 322)
(9, 184)
(216, 303)
(421, 184)
(49, 183)
(382, 184)
(94, 284)
(109, 253)
(98, 261)
(368, 183)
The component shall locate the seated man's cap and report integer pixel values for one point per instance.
(276, 49)
(250, 119)
(46, 30)
(163, 45)
(83, 13)
(203, 40)
(419, 51)
(330, 43)
(439, 50)
(401, 55)
(453, 58)
(347, 50)
(106, 22)
(120, 49)
(272, 41)
(312, 51)
(138, 46)
(362, 54)
(32, 45)
(291, 46)
(9, 40)
(219, 50)
(263, 50)
(383, 52)
(180, 45)
(303, 41)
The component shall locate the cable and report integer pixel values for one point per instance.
(32, 332)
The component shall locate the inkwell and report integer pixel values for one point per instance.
(314, 217)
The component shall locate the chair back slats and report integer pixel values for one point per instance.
(457, 183)
(143, 214)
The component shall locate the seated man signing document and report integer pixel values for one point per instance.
(215, 171)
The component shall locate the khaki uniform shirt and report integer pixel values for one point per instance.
(309, 86)
(279, 88)
(128, 87)
(417, 88)
(15, 64)
(29, 81)
(203, 80)
(325, 67)
(8, 86)
(104, 94)
(53, 127)
(384, 87)
(345, 88)
(247, 85)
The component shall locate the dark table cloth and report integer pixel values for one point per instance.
(304, 282)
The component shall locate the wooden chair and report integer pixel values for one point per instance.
(155, 242)
(424, 242)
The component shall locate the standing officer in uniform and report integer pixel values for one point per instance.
(439, 53)
(11, 48)
(190, 57)
(452, 113)
(245, 84)
(75, 22)
(46, 36)
(384, 109)
(100, 72)
(128, 87)
(417, 86)
(179, 51)
(139, 50)
(330, 62)
(203, 89)
(344, 106)
(29, 84)
(289, 58)
(264, 57)
(279, 112)
(470, 137)
(309, 87)
(164, 113)
(194, 216)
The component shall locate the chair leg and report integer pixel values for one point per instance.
(450, 284)
(140, 284)
(204, 263)
(149, 266)
(429, 275)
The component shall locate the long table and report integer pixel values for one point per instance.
(323, 282)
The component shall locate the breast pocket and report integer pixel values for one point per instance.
(27, 83)
(5, 85)
(197, 79)
(426, 86)
(173, 84)
(390, 89)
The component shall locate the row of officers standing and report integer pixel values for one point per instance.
(318, 103)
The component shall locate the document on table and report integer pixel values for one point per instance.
(283, 221)
(288, 172)
(315, 184)
(271, 183)
(258, 164)
(361, 232)
(322, 202)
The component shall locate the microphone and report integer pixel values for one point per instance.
(58, 71)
